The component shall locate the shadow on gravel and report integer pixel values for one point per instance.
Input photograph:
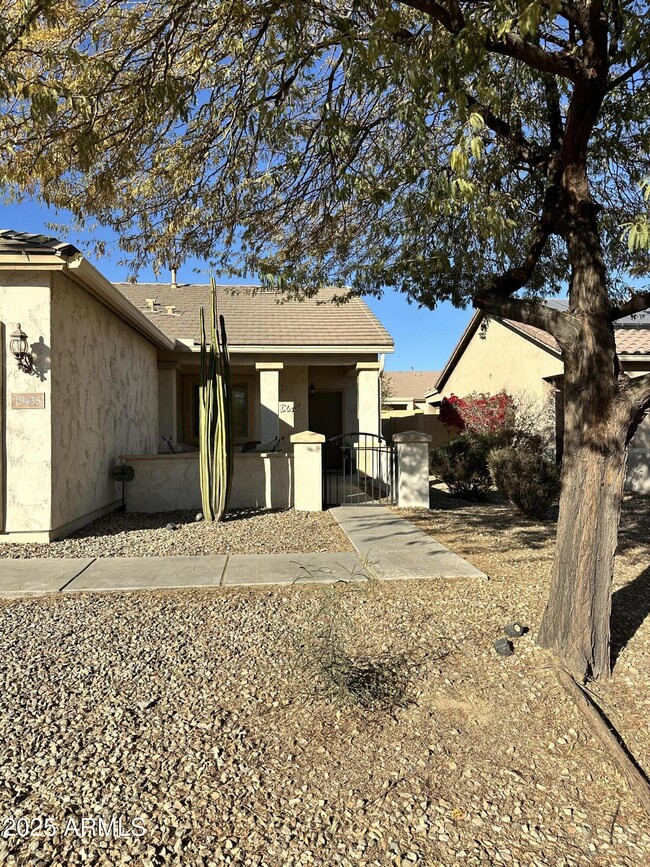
(630, 607)
(125, 522)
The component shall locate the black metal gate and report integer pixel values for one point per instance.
(359, 468)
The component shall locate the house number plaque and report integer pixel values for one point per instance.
(28, 400)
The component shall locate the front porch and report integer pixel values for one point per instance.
(272, 399)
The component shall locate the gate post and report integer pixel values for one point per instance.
(308, 471)
(412, 469)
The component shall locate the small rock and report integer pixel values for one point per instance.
(199, 517)
(171, 526)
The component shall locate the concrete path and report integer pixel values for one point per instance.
(388, 547)
(22, 577)
(394, 548)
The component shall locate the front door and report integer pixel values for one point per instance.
(326, 413)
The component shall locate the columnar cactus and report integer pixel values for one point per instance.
(215, 416)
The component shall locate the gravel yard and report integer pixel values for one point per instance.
(200, 714)
(245, 531)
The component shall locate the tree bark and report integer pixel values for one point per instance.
(597, 421)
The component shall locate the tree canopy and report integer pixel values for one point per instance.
(417, 144)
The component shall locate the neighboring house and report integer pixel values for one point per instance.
(115, 372)
(495, 354)
(409, 402)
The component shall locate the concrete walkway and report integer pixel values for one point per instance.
(394, 548)
(388, 546)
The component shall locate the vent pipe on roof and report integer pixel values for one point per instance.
(151, 303)
(174, 273)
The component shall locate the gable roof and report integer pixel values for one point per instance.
(410, 384)
(632, 335)
(259, 318)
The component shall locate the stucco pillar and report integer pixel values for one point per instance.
(368, 398)
(308, 471)
(168, 399)
(412, 469)
(269, 399)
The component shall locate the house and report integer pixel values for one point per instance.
(109, 372)
(409, 402)
(495, 354)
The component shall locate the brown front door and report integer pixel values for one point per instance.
(326, 413)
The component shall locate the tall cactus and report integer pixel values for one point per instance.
(215, 416)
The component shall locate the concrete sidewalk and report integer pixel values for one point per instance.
(390, 546)
(394, 548)
(33, 576)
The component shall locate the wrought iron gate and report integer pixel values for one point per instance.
(359, 468)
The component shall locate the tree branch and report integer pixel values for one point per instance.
(534, 313)
(624, 76)
(515, 46)
(510, 44)
(526, 151)
(636, 303)
(638, 391)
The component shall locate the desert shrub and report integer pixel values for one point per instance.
(517, 420)
(527, 478)
(462, 464)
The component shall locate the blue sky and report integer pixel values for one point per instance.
(423, 338)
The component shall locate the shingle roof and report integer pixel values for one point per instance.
(33, 245)
(262, 318)
(410, 384)
(632, 335)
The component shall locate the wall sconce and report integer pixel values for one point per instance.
(312, 390)
(20, 350)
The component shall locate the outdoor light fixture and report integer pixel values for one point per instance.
(312, 390)
(20, 350)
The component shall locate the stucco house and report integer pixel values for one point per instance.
(409, 403)
(494, 354)
(110, 372)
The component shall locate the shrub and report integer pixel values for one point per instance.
(478, 413)
(462, 464)
(528, 479)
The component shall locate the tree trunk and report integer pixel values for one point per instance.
(597, 420)
(576, 622)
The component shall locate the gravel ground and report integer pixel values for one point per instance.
(245, 531)
(206, 715)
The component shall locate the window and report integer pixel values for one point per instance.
(239, 410)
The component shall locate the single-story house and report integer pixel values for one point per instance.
(409, 402)
(109, 372)
(495, 354)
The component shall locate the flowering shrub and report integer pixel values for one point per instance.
(478, 413)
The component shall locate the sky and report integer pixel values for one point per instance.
(423, 338)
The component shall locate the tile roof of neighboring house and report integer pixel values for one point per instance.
(410, 384)
(33, 245)
(262, 318)
(632, 336)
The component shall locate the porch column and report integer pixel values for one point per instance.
(308, 471)
(412, 469)
(269, 399)
(368, 398)
(168, 400)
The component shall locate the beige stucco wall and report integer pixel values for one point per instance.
(104, 398)
(168, 482)
(501, 358)
(25, 298)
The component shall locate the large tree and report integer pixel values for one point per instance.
(488, 153)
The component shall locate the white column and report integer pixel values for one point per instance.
(269, 400)
(168, 400)
(308, 471)
(368, 401)
(412, 469)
